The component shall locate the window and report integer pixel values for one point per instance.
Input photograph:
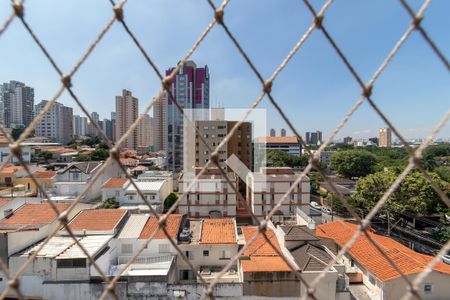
(163, 248)
(205, 252)
(117, 193)
(428, 288)
(226, 254)
(372, 280)
(71, 263)
(189, 255)
(127, 248)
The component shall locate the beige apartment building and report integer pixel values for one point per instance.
(213, 132)
(267, 187)
(212, 195)
(145, 131)
(127, 110)
(385, 137)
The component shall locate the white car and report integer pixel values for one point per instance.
(446, 259)
(326, 210)
(314, 204)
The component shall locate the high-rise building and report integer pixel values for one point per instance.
(385, 137)
(273, 132)
(127, 110)
(283, 132)
(314, 138)
(190, 88)
(113, 125)
(145, 131)
(213, 132)
(18, 104)
(79, 125)
(106, 126)
(348, 140)
(91, 130)
(57, 123)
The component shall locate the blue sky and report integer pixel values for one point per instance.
(315, 89)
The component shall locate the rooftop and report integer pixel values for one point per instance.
(97, 219)
(115, 183)
(278, 140)
(311, 257)
(407, 260)
(146, 185)
(33, 215)
(43, 174)
(85, 167)
(173, 224)
(4, 201)
(133, 227)
(260, 256)
(218, 231)
(298, 233)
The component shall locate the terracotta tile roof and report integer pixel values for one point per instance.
(97, 219)
(218, 231)
(115, 183)
(278, 140)
(261, 256)
(128, 161)
(4, 201)
(173, 225)
(43, 174)
(32, 215)
(407, 260)
(11, 169)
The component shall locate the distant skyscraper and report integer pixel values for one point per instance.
(57, 123)
(385, 137)
(127, 109)
(145, 131)
(107, 128)
(283, 132)
(79, 125)
(113, 125)
(314, 138)
(348, 140)
(18, 104)
(272, 132)
(190, 88)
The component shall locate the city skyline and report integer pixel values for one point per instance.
(316, 79)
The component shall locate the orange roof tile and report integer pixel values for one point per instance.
(218, 231)
(97, 219)
(278, 140)
(43, 174)
(262, 257)
(115, 183)
(11, 169)
(33, 214)
(407, 260)
(173, 225)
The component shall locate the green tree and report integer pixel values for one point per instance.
(432, 152)
(99, 154)
(314, 179)
(414, 194)
(109, 203)
(443, 172)
(170, 200)
(43, 156)
(82, 158)
(277, 158)
(16, 132)
(353, 163)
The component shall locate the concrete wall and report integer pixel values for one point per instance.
(395, 289)
(215, 255)
(275, 284)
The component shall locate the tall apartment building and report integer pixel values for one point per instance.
(79, 126)
(267, 187)
(385, 137)
(283, 132)
(348, 140)
(113, 125)
(272, 132)
(127, 110)
(145, 131)
(91, 130)
(18, 104)
(314, 138)
(190, 88)
(57, 123)
(107, 128)
(213, 132)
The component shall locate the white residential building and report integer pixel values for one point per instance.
(57, 122)
(212, 195)
(267, 187)
(73, 179)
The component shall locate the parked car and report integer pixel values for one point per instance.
(446, 259)
(326, 210)
(314, 204)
